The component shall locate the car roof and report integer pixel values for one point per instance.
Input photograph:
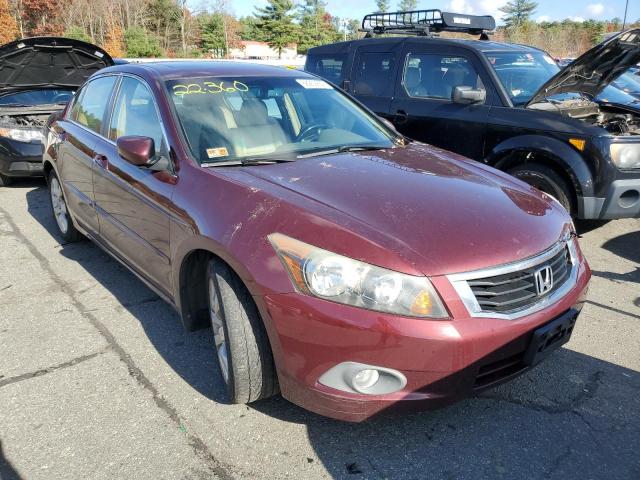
(483, 46)
(203, 68)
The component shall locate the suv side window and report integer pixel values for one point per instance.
(134, 113)
(90, 107)
(329, 66)
(373, 74)
(435, 76)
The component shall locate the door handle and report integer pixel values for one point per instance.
(401, 117)
(102, 161)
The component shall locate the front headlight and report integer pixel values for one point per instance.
(625, 155)
(26, 135)
(344, 280)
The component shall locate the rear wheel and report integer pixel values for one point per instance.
(241, 342)
(60, 211)
(5, 181)
(546, 180)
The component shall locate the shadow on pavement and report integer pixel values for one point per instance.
(626, 246)
(7, 472)
(574, 416)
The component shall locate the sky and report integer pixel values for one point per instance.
(547, 9)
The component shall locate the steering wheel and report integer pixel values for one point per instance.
(311, 132)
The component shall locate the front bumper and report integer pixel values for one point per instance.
(20, 159)
(442, 360)
(622, 201)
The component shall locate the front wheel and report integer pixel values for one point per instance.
(546, 180)
(242, 347)
(66, 229)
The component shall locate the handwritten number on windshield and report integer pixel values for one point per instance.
(211, 88)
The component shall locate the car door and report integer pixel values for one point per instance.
(132, 202)
(423, 108)
(77, 136)
(373, 75)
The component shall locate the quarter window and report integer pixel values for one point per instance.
(90, 107)
(135, 113)
(327, 66)
(435, 76)
(373, 75)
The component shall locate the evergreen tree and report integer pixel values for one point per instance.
(383, 5)
(316, 25)
(138, 44)
(518, 12)
(276, 21)
(407, 5)
(77, 33)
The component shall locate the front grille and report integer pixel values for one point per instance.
(517, 290)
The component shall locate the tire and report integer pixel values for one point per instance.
(60, 212)
(5, 181)
(545, 179)
(242, 346)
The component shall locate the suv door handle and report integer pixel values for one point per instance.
(400, 117)
(101, 160)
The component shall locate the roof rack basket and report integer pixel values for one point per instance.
(426, 22)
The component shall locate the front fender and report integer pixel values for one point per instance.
(562, 154)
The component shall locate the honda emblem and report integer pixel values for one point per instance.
(544, 280)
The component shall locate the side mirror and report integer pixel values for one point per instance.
(465, 94)
(137, 150)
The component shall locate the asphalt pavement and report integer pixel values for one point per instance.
(99, 380)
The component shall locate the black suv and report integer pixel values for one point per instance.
(570, 132)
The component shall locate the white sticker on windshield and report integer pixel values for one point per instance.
(549, 60)
(313, 83)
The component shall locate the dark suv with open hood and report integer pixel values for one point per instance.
(571, 133)
(38, 76)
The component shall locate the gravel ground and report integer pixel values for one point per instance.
(98, 380)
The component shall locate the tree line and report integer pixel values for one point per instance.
(170, 28)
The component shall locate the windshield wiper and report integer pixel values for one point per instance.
(247, 161)
(342, 149)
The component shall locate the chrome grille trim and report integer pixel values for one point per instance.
(460, 281)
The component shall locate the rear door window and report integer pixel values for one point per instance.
(373, 74)
(329, 66)
(90, 107)
(435, 76)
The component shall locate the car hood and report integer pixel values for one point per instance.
(454, 214)
(48, 62)
(595, 69)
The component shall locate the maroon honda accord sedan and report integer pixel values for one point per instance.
(336, 261)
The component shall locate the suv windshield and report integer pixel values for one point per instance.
(37, 97)
(522, 73)
(231, 118)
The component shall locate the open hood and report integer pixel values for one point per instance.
(48, 62)
(595, 69)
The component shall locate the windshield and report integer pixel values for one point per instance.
(37, 97)
(522, 73)
(231, 118)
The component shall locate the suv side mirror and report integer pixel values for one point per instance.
(466, 94)
(137, 150)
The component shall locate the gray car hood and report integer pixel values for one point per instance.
(590, 73)
(48, 62)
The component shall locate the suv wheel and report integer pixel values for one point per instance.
(242, 347)
(66, 228)
(546, 180)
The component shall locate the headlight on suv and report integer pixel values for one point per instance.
(625, 155)
(327, 275)
(26, 135)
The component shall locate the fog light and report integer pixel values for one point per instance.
(365, 379)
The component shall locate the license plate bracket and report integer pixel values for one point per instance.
(550, 337)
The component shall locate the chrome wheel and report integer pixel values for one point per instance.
(218, 332)
(59, 207)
